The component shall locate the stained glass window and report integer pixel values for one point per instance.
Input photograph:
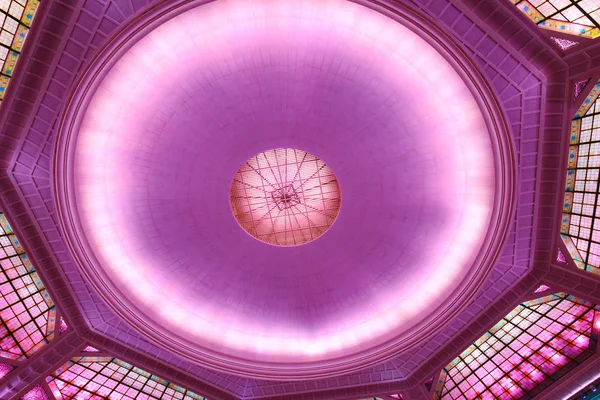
(576, 17)
(27, 313)
(37, 393)
(563, 43)
(542, 288)
(579, 86)
(580, 227)
(527, 350)
(5, 369)
(106, 377)
(15, 21)
(560, 257)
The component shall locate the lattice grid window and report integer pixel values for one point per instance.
(37, 393)
(27, 313)
(285, 197)
(106, 377)
(527, 350)
(576, 17)
(580, 227)
(15, 20)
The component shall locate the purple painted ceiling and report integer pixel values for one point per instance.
(143, 182)
(529, 76)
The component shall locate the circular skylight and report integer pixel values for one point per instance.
(285, 197)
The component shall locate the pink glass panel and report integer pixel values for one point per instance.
(26, 310)
(564, 44)
(579, 86)
(37, 393)
(527, 347)
(5, 369)
(579, 228)
(15, 20)
(285, 197)
(560, 257)
(106, 377)
(542, 288)
(63, 325)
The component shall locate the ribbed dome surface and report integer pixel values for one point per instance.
(178, 114)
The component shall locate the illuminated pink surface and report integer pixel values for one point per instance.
(523, 350)
(37, 393)
(285, 197)
(178, 114)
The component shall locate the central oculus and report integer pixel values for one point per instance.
(285, 197)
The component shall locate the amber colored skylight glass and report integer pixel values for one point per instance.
(285, 197)
(27, 313)
(576, 17)
(110, 378)
(15, 20)
(524, 352)
(580, 227)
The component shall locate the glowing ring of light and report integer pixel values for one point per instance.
(325, 363)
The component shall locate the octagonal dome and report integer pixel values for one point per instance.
(160, 125)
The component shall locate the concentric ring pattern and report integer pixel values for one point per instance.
(328, 86)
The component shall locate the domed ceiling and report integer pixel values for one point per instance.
(162, 126)
(252, 273)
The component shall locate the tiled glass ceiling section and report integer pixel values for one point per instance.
(541, 288)
(526, 351)
(37, 393)
(580, 227)
(5, 369)
(576, 17)
(110, 378)
(563, 43)
(27, 313)
(590, 391)
(15, 21)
